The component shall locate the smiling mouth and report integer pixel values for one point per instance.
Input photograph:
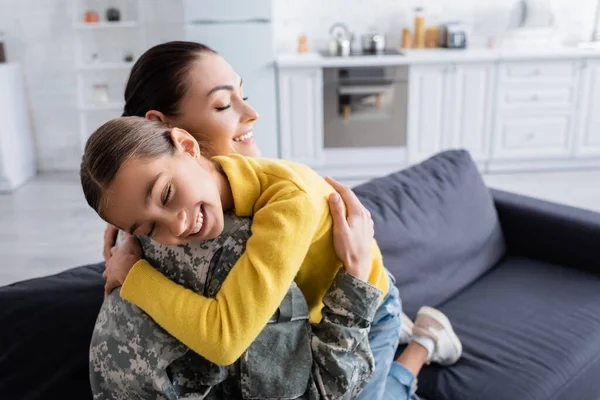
(244, 137)
(199, 223)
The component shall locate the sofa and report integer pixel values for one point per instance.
(518, 277)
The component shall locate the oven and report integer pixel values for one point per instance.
(365, 106)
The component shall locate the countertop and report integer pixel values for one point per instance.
(431, 56)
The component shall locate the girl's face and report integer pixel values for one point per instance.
(214, 108)
(173, 199)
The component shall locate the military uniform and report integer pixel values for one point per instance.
(132, 357)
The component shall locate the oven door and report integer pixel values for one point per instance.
(365, 107)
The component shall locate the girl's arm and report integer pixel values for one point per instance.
(221, 329)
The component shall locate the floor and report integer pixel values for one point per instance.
(46, 225)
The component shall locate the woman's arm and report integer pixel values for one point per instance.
(221, 329)
(110, 238)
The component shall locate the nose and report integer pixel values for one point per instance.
(249, 113)
(178, 225)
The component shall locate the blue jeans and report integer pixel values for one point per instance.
(401, 384)
(390, 378)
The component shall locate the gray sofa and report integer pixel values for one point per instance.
(518, 277)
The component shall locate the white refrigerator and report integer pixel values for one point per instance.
(242, 32)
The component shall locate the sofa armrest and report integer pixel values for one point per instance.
(548, 231)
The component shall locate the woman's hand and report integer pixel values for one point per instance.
(120, 263)
(110, 237)
(352, 234)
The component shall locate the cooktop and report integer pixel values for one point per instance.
(386, 52)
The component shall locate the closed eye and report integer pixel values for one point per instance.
(229, 105)
(168, 196)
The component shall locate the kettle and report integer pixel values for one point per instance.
(341, 40)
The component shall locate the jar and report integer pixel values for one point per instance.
(91, 17)
(113, 14)
(419, 28)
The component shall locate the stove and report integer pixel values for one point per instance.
(386, 52)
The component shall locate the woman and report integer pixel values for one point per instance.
(187, 85)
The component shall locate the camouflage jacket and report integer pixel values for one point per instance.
(131, 357)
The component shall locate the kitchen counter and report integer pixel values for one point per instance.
(432, 56)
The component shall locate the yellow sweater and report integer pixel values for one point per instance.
(291, 240)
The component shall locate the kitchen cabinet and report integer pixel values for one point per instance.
(301, 114)
(587, 143)
(471, 103)
(17, 153)
(513, 111)
(449, 106)
(536, 110)
(428, 89)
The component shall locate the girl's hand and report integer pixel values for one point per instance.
(110, 237)
(352, 234)
(120, 263)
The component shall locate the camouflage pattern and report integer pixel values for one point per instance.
(132, 357)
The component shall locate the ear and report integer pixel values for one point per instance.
(185, 142)
(154, 115)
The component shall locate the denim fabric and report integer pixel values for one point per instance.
(383, 338)
(401, 384)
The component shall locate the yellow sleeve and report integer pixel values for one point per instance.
(221, 329)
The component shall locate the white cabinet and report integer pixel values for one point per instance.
(428, 87)
(533, 136)
(471, 108)
(536, 110)
(301, 114)
(449, 106)
(17, 153)
(588, 138)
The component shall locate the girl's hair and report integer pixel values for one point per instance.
(113, 144)
(158, 78)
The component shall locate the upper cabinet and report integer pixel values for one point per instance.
(449, 106)
(301, 114)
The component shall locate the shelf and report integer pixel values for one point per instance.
(105, 25)
(115, 105)
(105, 66)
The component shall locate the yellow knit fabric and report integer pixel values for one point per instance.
(291, 240)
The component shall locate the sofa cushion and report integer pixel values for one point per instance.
(436, 226)
(530, 331)
(46, 325)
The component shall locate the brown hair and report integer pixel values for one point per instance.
(158, 79)
(112, 145)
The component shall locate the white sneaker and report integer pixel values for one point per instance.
(433, 324)
(406, 329)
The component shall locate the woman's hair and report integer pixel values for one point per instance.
(158, 78)
(112, 145)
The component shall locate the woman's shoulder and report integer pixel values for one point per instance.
(189, 264)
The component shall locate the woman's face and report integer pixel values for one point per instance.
(174, 199)
(215, 110)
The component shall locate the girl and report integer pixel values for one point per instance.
(150, 180)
